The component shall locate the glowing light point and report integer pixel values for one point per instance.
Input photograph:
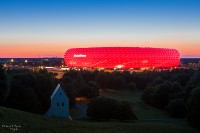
(119, 66)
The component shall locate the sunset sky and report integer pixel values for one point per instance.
(47, 28)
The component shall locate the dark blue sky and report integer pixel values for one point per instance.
(82, 23)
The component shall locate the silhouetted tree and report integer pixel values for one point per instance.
(193, 106)
(4, 84)
(102, 80)
(71, 92)
(132, 87)
(148, 95)
(118, 82)
(124, 112)
(22, 96)
(176, 108)
(43, 88)
(89, 90)
(103, 108)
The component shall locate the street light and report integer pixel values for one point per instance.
(11, 62)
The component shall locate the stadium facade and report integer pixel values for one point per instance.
(122, 57)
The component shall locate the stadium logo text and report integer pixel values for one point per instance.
(79, 55)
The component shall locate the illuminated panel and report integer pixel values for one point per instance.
(122, 57)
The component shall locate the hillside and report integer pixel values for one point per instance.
(31, 123)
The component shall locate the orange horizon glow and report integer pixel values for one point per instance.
(22, 50)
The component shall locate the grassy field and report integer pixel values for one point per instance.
(23, 122)
(141, 110)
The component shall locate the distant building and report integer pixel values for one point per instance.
(59, 103)
(122, 57)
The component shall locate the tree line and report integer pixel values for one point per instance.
(179, 99)
(27, 91)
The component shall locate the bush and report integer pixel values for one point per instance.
(103, 108)
(124, 112)
(176, 108)
(157, 96)
(161, 96)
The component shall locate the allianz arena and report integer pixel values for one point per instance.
(122, 57)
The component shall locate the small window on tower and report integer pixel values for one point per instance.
(62, 104)
(57, 104)
(60, 94)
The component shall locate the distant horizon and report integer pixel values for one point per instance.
(60, 57)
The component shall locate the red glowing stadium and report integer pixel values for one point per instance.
(122, 57)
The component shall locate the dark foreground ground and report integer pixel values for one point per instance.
(151, 120)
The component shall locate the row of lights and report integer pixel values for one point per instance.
(12, 60)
